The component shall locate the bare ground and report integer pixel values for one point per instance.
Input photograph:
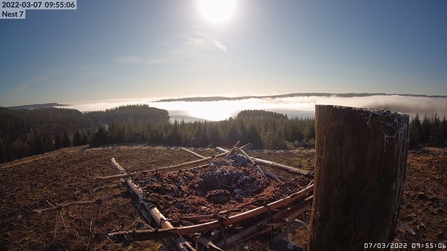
(68, 175)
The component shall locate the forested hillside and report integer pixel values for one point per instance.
(27, 132)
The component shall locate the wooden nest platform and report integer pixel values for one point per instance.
(217, 202)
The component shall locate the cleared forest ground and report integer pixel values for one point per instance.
(68, 175)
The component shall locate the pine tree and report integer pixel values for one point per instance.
(444, 132)
(66, 141)
(57, 141)
(425, 130)
(414, 132)
(100, 137)
(77, 138)
(435, 134)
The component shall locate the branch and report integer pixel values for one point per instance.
(74, 203)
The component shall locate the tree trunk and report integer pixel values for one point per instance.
(361, 157)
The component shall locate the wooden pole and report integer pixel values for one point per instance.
(361, 157)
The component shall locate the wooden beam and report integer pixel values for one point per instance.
(361, 157)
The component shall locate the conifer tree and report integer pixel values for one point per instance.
(57, 140)
(66, 141)
(77, 138)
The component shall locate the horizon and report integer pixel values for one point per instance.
(224, 97)
(173, 49)
(292, 105)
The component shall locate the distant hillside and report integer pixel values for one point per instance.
(290, 95)
(259, 114)
(142, 113)
(35, 106)
(29, 130)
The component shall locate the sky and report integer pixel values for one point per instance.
(151, 49)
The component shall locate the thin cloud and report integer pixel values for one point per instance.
(213, 41)
(179, 49)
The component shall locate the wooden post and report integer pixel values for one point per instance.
(361, 157)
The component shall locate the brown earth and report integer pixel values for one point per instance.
(67, 175)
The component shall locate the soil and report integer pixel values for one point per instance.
(67, 175)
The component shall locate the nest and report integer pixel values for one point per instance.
(219, 187)
(216, 205)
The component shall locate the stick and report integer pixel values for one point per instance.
(262, 227)
(232, 150)
(166, 168)
(69, 204)
(275, 165)
(248, 157)
(193, 153)
(187, 230)
(160, 220)
(55, 229)
(105, 187)
(63, 221)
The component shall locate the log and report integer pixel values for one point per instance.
(286, 168)
(159, 219)
(272, 164)
(360, 176)
(188, 230)
(262, 226)
(123, 173)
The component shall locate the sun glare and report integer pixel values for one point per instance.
(217, 10)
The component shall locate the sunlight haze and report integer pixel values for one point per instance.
(112, 50)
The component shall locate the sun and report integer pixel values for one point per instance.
(217, 10)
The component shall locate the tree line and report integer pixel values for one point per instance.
(261, 128)
(27, 132)
(431, 131)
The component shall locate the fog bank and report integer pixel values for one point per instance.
(291, 106)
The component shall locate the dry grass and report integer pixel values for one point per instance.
(68, 175)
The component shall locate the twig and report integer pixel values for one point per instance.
(106, 187)
(63, 221)
(88, 202)
(55, 229)
(92, 225)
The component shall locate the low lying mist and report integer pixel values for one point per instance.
(300, 106)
